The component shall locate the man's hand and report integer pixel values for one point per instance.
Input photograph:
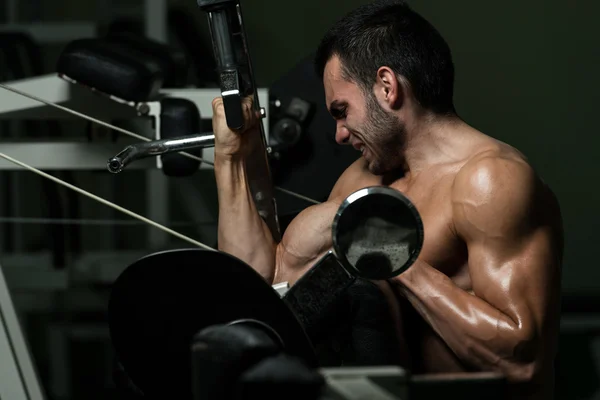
(241, 230)
(233, 143)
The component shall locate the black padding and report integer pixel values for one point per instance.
(125, 387)
(315, 298)
(280, 377)
(373, 336)
(111, 69)
(126, 25)
(363, 331)
(222, 353)
(179, 117)
(172, 60)
(186, 34)
(190, 37)
(161, 301)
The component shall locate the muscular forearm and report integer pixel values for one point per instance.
(241, 231)
(478, 333)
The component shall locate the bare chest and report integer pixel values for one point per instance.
(310, 237)
(442, 249)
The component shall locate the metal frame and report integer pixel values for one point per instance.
(36, 295)
(373, 383)
(93, 156)
(73, 155)
(18, 377)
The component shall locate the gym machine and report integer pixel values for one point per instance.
(191, 339)
(176, 332)
(181, 335)
(18, 377)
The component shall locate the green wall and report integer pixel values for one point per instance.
(526, 74)
(283, 32)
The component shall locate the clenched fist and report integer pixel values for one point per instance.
(229, 142)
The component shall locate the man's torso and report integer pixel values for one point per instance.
(430, 190)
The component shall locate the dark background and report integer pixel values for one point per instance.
(527, 74)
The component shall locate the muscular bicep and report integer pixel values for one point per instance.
(307, 238)
(501, 212)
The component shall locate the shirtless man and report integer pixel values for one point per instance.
(484, 293)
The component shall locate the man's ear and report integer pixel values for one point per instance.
(388, 89)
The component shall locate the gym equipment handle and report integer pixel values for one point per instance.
(138, 151)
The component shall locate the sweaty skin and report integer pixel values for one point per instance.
(484, 293)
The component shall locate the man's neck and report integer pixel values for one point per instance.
(434, 140)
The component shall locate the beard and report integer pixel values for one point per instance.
(385, 135)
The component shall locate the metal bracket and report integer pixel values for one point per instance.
(373, 383)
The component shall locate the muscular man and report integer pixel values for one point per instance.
(484, 294)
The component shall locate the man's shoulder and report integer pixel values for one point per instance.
(495, 172)
(498, 185)
(355, 177)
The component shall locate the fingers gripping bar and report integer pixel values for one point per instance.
(237, 81)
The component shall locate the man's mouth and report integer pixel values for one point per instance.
(360, 147)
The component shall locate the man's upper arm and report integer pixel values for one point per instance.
(308, 236)
(512, 232)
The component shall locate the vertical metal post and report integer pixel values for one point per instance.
(155, 18)
(12, 11)
(157, 185)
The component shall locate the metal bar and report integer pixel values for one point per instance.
(155, 18)
(105, 202)
(65, 156)
(16, 231)
(15, 192)
(53, 89)
(236, 78)
(155, 148)
(358, 388)
(203, 99)
(12, 11)
(381, 383)
(95, 222)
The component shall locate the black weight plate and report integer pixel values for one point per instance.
(159, 302)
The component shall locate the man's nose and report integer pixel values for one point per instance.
(342, 134)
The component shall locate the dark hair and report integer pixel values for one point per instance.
(389, 33)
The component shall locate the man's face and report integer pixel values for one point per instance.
(362, 121)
